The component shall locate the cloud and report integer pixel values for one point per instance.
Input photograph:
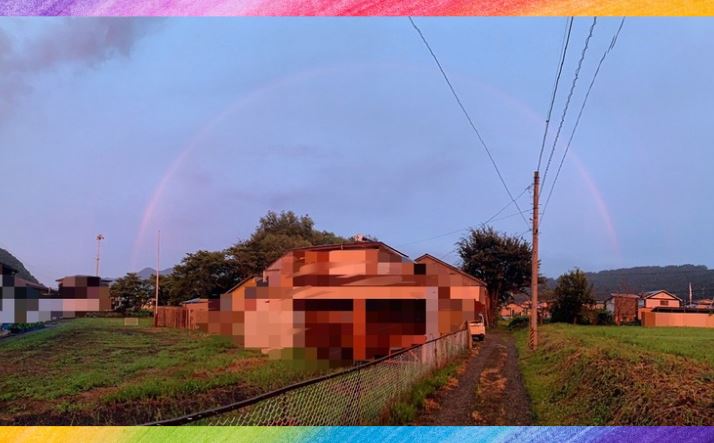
(78, 42)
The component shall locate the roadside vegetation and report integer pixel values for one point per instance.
(600, 375)
(98, 371)
(420, 397)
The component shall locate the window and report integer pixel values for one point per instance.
(419, 268)
(664, 302)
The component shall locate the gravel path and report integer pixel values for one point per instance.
(489, 392)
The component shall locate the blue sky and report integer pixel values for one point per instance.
(348, 120)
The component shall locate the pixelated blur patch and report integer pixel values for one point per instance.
(342, 304)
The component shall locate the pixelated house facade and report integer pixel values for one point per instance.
(19, 298)
(348, 302)
(84, 293)
(27, 302)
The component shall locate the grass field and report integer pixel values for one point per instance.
(607, 375)
(98, 371)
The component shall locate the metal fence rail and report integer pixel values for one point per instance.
(356, 396)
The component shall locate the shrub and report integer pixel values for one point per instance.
(605, 318)
(518, 322)
(402, 413)
(17, 328)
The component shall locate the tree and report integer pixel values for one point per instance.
(201, 274)
(274, 235)
(129, 293)
(167, 295)
(211, 273)
(572, 294)
(503, 262)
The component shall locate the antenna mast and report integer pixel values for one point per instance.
(100, 237)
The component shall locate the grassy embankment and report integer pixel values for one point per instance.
(607, 375)
(98, 371)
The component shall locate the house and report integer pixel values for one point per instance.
(518, 305)
(652, 299)
(19, 298)
(512, 309)
(348, 302)
(26, 302)
(705, 303)
(623, 307)
(82, 293)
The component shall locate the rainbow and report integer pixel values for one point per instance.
(150, 216)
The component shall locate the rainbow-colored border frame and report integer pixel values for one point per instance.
(354, 7)
(475, 434)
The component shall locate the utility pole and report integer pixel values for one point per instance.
(156, 295)
(100, 237)
(533, 337)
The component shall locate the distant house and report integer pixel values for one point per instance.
(19, 299)
(653, 299)
(517, 306)
(512, 309)
(84, 293)
(26, 302)
(520, 306)
(705, 303)
(623, 307)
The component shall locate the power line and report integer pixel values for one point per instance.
(570, 96)
(582, 107)
(563, 52)
(489, 220)
(468, 116)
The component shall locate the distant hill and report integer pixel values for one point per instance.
(148, 272)
(13, 262)
(674, 279)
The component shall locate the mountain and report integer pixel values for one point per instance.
(13, 262)
(674, 279)
(148, 272)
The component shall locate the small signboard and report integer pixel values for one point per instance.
(131, 321)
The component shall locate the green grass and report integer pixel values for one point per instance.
(405, 411)
(97, 371)
(605, 375)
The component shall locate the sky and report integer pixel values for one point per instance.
(198, 127)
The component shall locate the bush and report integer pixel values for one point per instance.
(518, 322)
(18, 328)
(604, 318)
(402, 413)
(100, 314)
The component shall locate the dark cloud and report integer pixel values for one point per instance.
(77, 42)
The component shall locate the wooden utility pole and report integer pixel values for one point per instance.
(156, 297)
(533, 337)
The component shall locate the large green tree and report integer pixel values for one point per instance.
(129, 293)
(274, 235)
(572, 294)
(502, 261)
(201, 274)
(167, 295)
(210, 273)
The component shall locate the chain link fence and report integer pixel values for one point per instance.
(356, 396)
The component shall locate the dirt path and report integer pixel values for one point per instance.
(489, 391)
